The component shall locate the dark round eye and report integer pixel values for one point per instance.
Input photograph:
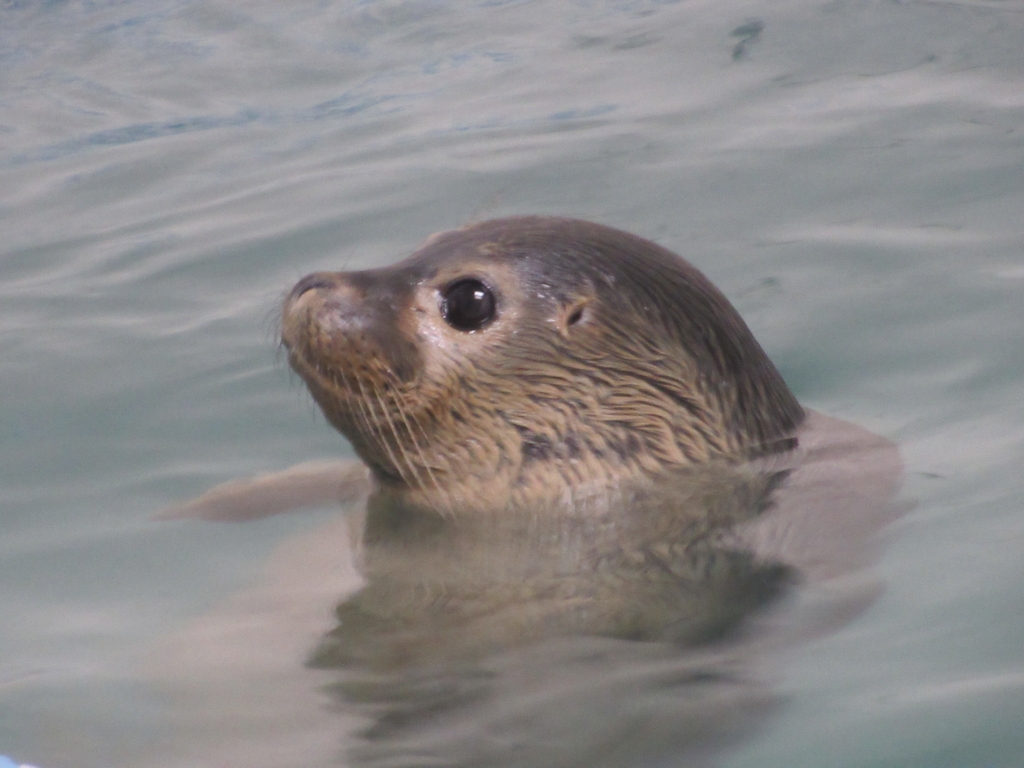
(467, 304)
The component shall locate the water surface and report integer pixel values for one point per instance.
(850, 173)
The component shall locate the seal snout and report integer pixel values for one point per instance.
(345, 325)
(325, 297)
(306, 307)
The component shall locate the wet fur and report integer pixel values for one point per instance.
(659, 373)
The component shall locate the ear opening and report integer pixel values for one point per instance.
(572, 315)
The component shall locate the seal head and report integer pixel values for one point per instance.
(528, 360)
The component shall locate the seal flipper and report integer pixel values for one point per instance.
(826, 517)
(312, 484)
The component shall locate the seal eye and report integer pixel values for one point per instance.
(467, 305)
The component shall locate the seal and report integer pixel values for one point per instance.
(535, 398)
(579, 470)
(517, 361)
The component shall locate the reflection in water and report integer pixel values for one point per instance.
(499, 641)
(612, 637)
(568, 702)
(656, 565)
(643, 638)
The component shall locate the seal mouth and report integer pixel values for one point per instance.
(347, 371)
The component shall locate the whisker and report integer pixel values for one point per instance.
(399, 400)
(394, 432)
(377, 432)
(373, 429)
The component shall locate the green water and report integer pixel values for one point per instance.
(852, 177)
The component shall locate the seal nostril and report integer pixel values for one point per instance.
(310, 283)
